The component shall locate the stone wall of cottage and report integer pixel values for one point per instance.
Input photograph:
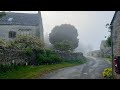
(20, 30)
(116, 38)
(116, 35)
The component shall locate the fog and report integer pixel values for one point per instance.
(90, 25)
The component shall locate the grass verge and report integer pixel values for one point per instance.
(35, 72)
(108, 59)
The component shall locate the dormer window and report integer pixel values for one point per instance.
(10, 19)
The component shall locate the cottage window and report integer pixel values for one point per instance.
(12, 34)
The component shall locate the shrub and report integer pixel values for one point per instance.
(55, 58)
(28, 51)
(41, 59)
(48, 57)
(5, 68)
(48, 52)
(3, 43)
(64, 45)
(107, 73)
(80, 61)
(24, 42)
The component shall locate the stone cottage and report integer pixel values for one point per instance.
(13, 24)
(115, 26)
(115, 23)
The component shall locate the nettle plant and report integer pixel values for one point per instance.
(107, 73)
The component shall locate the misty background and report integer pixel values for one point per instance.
(91, 25)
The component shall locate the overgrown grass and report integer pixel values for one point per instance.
(108, 59)
(35, 72)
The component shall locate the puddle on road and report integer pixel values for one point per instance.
(85, 73)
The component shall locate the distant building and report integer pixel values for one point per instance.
(13, 24)
(95, 53)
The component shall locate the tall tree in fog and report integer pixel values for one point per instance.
(64, 32)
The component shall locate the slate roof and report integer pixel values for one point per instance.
(20, 19)
(113, 17)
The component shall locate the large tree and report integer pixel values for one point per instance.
(64, 46)
(64, 32)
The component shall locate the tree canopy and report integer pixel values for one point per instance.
(65, 45)
(64, 32)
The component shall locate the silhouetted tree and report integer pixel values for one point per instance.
(64, 32)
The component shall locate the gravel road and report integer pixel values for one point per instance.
(92, 69)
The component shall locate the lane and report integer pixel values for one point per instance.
(90, 70)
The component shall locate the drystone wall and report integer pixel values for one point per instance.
(11, 56)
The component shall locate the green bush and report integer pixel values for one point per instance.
(28, 51)
(81, 61)
(26, 41)
(5, 68)
(41, 59)
(48, 57)
(3, 43)
(55, 59)
(107, 73)
(64, 45)
(48, 52)
(108, 56)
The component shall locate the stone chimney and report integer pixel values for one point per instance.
(41, 27)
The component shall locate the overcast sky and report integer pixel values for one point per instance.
(90, 24)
